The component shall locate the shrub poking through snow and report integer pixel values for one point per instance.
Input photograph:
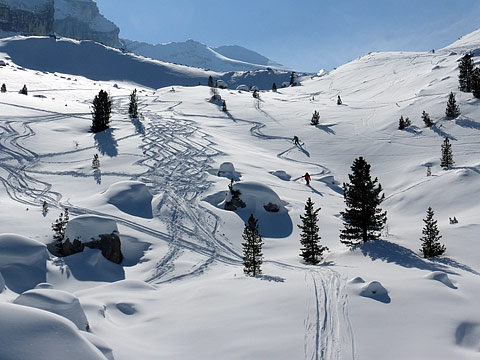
(431, 246)
(363, 218)
(58, 228)
(252, 248)
(315, 118)
(311, 251)
(446, 161)
(102, 108)
(133, 106)
(426, 119)
(452, 110)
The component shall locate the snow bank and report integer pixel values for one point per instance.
(88, 227)
(27, 333)
(56, 301)
(131, 197)
(22, 262)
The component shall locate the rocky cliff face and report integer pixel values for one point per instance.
(33, 17)
(81, 20)
(76, 19)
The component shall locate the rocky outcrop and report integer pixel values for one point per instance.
(109, 244)
(81, 20)
(33, 18)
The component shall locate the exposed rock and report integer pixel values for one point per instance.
(35, 18)
(109, 244)
(271, 207)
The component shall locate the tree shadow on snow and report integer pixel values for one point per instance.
(270, 225)
(467, 123)
(326, 128)
(105, 143)
(452, 263)
(139, 128)
(394, 253)
(90, 265)
(442, 133)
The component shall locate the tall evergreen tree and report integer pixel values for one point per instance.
(446, 160)
(309, 238)
(210, 81)
(401, 123)
(292, 79)
(133, 106)
(476, 82)
(465, 67)
(431, 246)
(102, 108)
(58, 228)
(363, 218)
(315, 118)
(426, 119)
(452, 110)
(274, 87)
(252, 248)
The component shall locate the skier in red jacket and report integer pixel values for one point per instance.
(307, 178)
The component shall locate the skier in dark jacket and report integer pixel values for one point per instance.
(296, 140)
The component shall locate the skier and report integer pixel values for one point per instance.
(307, 178)
(296, 140)
(339, 100)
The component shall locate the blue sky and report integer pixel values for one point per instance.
(305, 35)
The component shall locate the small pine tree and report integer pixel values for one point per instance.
(363, 217)
(446, 161)
(401, 123)
(465, 67)
(133, 106)
(24, 90)
(452, 110)
(45, 207)
(309, 238)
(274, 87)
(292, 79)
(426, 119)
(315, 118)
(252, 248)
(476, 82)
(102, 108)
(95, 162)
(210, 81)
(58, 228)
(4, 88)
(224, 105)
(431, 246)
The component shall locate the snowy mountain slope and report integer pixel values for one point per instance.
(181, 292)
(193, 53)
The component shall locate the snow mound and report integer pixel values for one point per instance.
(442, 277)
(2, 283)
(281, 174)
(28, 333)
(376, 291)
(227, 170)
(467, 336)
(22, 262)
(44, 286)
(87, 227)
(357, 280)
(56, 301)
(131, 197)
(100, 345)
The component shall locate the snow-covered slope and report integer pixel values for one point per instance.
(180, 292)
(193, 53)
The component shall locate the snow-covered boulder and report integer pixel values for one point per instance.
(376, 291)
(29, 333)
(222, 84)
(22, 262)
(243, 87)
(56, 301)
(131, 197)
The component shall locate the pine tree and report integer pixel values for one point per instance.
(224, 105)
(315, 118)
(309, 238)
(4, 88)
(401, 123)
(24, 90)
(274, 87)
(431, 246)
(95, 162)
(102, 108)
(210, 81)
(363, 218)
(476, 82)
(58, 228)
(426, 119)
(452, 110)
(446, 161)
(252, 248)
(292, 79)
(465, 76)
(133, 106)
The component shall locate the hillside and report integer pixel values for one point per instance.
(180, 292)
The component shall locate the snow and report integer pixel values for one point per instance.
(88, 227)
(180, 292)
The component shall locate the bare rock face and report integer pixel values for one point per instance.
(33, 17)
(81, 20)
(109, 244)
